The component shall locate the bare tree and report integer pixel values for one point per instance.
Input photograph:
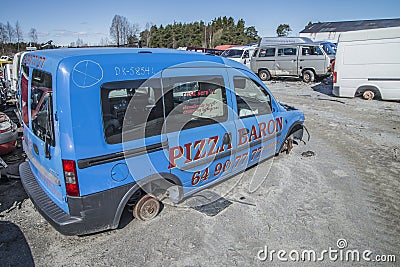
(133, 32)
(3, 33)
(18, 33)
(3, 36)
(116, 29)
(104, 41)
(33, 35)
(147, 33)
(122, 31)
(125, 29)
(10, 32)
(79, 42)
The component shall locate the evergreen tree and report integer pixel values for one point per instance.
(221, 30)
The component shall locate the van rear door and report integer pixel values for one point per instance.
(40, 138)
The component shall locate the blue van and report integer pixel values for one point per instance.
(111, 128)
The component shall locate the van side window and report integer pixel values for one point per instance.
(311, 50)
(305, 50)
(42, 106)
(317, 51)
(268, 52)
(131, 110)
(251, 98)
(289, 51)
(194, 101)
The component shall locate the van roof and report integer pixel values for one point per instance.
(160, 57)
(291, 44)
(371, 34)
(74, 52)
(241, 47)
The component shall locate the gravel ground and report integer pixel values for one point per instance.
(346, 187)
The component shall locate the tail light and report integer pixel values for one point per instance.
(71, 179)
(334, 77)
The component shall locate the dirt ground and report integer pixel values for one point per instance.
(343, 184)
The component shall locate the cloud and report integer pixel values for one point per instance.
(62, 36)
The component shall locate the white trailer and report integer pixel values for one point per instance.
(368, 64)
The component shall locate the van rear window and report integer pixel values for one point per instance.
(133, 107)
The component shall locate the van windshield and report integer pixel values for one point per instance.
(232, 53)
(329, 48)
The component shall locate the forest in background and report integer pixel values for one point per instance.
(219, 31)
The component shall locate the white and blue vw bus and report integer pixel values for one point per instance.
(109, 127)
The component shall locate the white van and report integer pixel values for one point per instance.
(240, 54)
(368, 64)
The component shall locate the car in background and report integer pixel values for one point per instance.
(211, 51)
(8, 134)
(240, 54)
(305, 60)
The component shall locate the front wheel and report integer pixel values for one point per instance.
(264, 75)
(308, 76)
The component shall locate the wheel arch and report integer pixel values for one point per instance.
(308, 68)
(266, 70)
(160, 181)
(361, 89)
(296, 126)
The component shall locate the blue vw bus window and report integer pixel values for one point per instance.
(194, 101)
(135, 106)
(251, 98)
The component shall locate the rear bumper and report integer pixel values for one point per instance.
(88, 214)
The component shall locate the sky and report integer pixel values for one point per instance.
(66, 21)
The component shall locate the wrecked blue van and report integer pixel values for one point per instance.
(108, 129)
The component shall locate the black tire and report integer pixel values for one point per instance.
(264, 75)
(308, 76)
